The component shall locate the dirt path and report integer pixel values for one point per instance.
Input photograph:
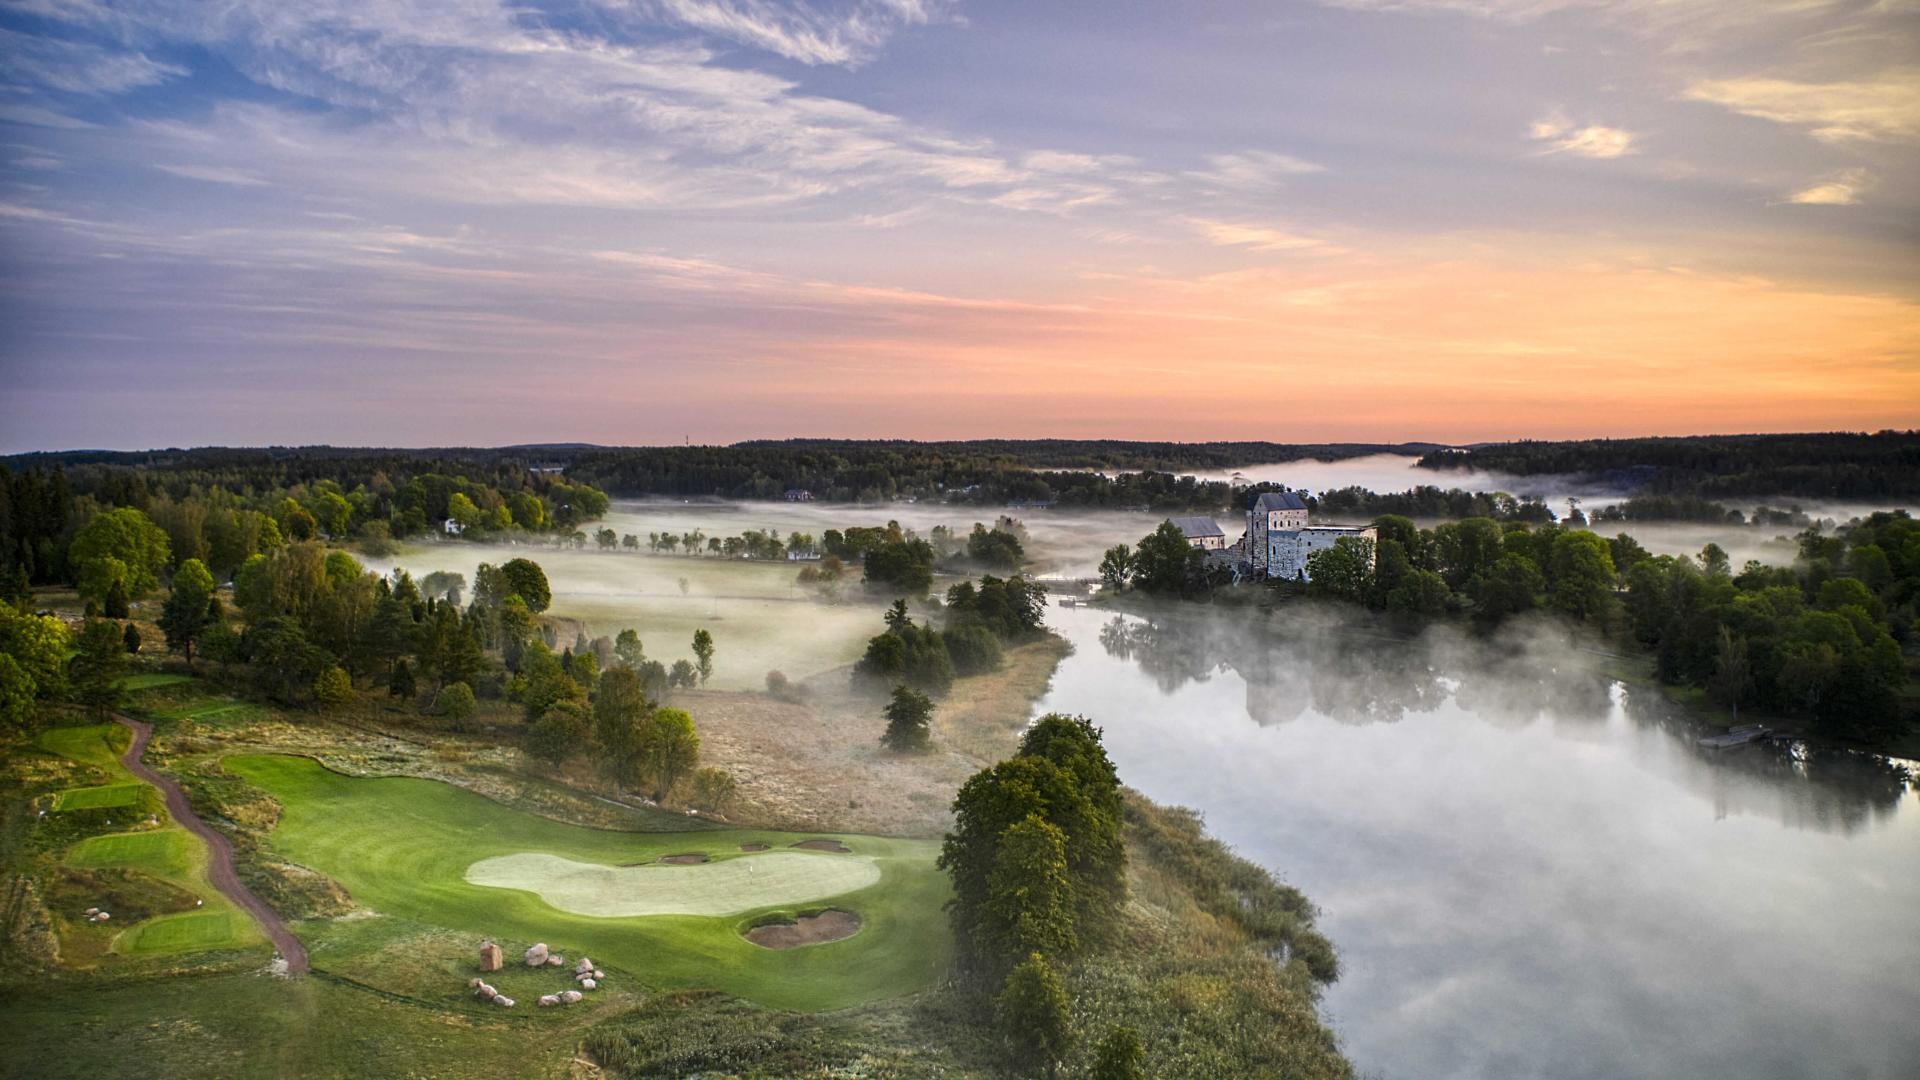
(219, 850)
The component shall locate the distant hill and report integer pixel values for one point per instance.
(1829, 465)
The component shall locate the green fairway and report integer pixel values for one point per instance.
(95, 744)
(728, 887)
(94, 798)
(164, 853)
(404, 846)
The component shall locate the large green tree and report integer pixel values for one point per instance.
(669, 750)
(188, 608)
(528, 582)
(121, 545)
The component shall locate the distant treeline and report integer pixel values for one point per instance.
(993, 472)
(1841, 465)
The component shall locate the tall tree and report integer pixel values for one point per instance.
(1030, 899)
(909, 717)
(669, 750)
(188, 609)
(97, 666)
(703, 653)
(119, 545)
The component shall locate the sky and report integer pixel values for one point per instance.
(478, 222)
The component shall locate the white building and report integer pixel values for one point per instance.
(453, 527)
(1202, 532)
(1275, 511)
(1288, 549)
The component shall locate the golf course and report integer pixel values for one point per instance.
(438, 854)
(162, 864)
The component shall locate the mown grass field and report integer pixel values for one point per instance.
(402, 847)
(96, 798)
(168, 854)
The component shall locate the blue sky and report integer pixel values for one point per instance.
(474, 222)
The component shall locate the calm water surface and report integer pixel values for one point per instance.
(1529, 871)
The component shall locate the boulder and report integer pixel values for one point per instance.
(588, 984)
(503, 1001)
(585, 965)
(599, 975)
(485, 992)
(93, 911)
(537, 955)
(568, 997)
(475, 983)
(491, 958)
(103, 916)
(549, 1000)
(556, 961)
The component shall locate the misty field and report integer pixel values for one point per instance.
(404, 847)
(761, 618)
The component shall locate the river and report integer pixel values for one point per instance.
(1529, 870)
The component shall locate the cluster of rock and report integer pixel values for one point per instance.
(584, 973)
(94, 914)
(485, 992)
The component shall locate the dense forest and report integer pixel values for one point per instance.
(57, 520)
(996, 472)
(1827, 640)
(1840, 465)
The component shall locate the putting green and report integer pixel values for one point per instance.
(714, 888)
(98, 798)
(404, 847)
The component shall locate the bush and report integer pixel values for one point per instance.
(713, 790)
(332, 688)
(781, 688)
(973, 649)
(456, 704)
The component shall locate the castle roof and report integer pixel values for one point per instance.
(1278, 500)
(1193, 528)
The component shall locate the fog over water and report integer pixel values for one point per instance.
(1528, 871)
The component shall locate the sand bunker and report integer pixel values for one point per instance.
(829, 925)
(692, 858)
(712, 888)
(755, 846)
(824, 845)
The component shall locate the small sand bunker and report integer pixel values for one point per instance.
(825, 845)
(727, 887)
(755, 846)
(692, 858)
(829, 925)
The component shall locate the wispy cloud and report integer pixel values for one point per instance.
(1256, 237)
(77, 67)
(799, 31)
(214, 174)
(1589, 140)
(40, 116)
(1885, 107)
(1841, 189)
(1253, 170)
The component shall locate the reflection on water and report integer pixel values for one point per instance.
(1529, 871)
